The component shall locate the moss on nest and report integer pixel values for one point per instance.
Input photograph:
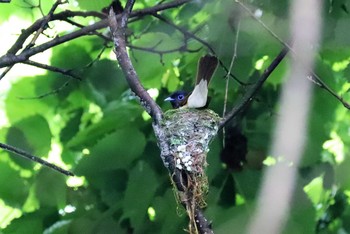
(189, 132)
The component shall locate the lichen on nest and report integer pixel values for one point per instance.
(189, 132)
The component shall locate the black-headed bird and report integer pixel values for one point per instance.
(199, 96)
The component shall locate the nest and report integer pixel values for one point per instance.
(189, 133)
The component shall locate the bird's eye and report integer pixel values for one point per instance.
(180, 97)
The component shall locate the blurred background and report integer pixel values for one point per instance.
(88, 121)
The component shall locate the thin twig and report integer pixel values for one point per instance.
(317, 80)
(249, 95)
(188, 34)
(184, 32)
(11, 58)
(43, 24)
(323, 85)
(31, 157)
(263, 24)
(52, 92)
(234, 55)
(47, 18)
(3, 74)
(66, 72)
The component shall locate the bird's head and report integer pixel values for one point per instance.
(177, 99)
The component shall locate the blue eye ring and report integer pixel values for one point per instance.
(180, 97)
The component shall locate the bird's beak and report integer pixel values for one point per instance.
(169, 99)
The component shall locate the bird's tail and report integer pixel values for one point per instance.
(206, 68)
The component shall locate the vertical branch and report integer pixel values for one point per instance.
(249, 95)
(273, 208)
(118, 27)
(234, 55)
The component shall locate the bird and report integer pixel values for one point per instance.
(198, 98)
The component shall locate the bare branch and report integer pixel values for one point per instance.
(203, 225)
(66, 72)
(315, 77)
(31, 157)
(11, 58)
(37, 24)
(5, 71)
(118, 26)
(188, 34)
(184, 32)
(249, 95)
(52, 92)
(324, 86)
(43, 24)
(263, 24)
(118, 34)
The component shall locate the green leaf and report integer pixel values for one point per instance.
(248, 182)
(13, 190)
(340, 171)
(302, 214)
(26, 224)
(342, 33)
(156, 65)
(114, 151)
(142, 180)
(112, 185)
(50, 188)
(93, 5)
(32, 135)
(119, 115)
(105, 82)
(321, 117)
(75, 56)
(167, 217)
(30, 87)
(21, 9)
(72, 126)
(226, 220)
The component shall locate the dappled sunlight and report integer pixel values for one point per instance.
(7, 213)
(336, 147)
(260, 62)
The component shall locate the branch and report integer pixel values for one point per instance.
(184, 32)
(11, 58)
(26, 155)
(36, 25)
(315, 78)
(203, 225)
(188, 34)
(248, 97)
(117, 26)
(52, 92)
(66, 72)
(43, 24)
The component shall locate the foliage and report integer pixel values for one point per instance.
(96, 128)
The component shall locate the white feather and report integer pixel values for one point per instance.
(198, 98)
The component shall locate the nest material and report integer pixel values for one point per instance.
(189, 132)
